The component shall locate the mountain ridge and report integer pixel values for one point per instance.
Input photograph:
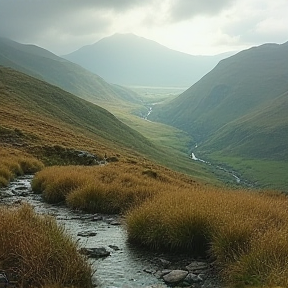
(145, 62)
(237, 115)
(237, 85)
(44, 65)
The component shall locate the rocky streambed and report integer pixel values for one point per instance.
(103, 239)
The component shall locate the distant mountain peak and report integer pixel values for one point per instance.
(128, 59)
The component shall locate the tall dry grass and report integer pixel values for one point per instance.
(14, 163)
(113, 188)
(35, 251)
(245, 233)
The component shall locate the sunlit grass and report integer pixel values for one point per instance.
(245, 233)
(35, 251)
(14, 163)
(113, 188)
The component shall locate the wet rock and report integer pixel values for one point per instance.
(97, 218)
(114, 247)
(175, 276)
(149, 271)
(24, 194)
(7, 193)
(193, 278)
(95, 252)
(113, 221)
(87, 234)
(197, 267)
(21, 188)
(163, 262)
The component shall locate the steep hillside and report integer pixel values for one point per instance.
(44, 65)
(46, 113)
(237, 115)
(127, 59)
(262, 134)
(43, 120)
(237, 86)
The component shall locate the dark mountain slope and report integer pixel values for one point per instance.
(237, 86)
(44, 104)
(44, 65)
(127, 59)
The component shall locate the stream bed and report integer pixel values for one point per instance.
(126, 266)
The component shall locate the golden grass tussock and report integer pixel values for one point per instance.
(113, 188)
(245, 233)
(14, 163)
(35, 251)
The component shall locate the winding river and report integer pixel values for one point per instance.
(228, 172)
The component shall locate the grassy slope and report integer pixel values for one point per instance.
(44, 65)
(236, 86)
(49, 102)
(38, 114)
(256, 145)
(239, 110)
(262, 134)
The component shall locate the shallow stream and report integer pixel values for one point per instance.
(125, 267)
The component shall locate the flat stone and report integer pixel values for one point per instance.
(149, 271)
(115, 223)
(7, 194)
(87, 234)
(193, 278)
(175, 276)
(95, 252)
(197, 267)
(97, 218)
(114, 247)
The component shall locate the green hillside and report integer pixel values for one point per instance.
(237, 86)
(44, 65)
(237, 115)
(262, 134)
(50, 104)
(39, 118)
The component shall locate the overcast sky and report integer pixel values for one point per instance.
(191, 26)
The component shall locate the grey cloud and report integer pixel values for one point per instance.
(25, 19)
(185, 9)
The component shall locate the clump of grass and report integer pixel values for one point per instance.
(56, 182)
(35, 251)
(113, 188)
(14, 163)
(245, 233)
